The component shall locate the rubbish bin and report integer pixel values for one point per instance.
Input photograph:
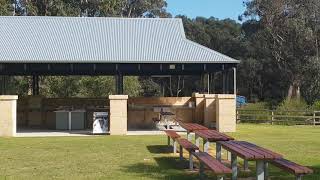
(100, 123)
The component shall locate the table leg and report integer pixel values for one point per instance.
(181, 153)
(174, 147)
(69, 122)
(190, 161)
(266, 168)
(234, 167)
(206, 145)
(197, 140)
(299, 177)
(245, 165)
(201, 170)
(219, 177)
(260, 170)
(218, 151)
(189, 136)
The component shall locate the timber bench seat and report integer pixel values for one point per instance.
(187, 145)
(291, 167)
(214, 165)
(172, 135)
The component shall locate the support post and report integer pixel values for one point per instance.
(299, 177)
(260, 170)
(234, 80)
(201, 171)
(168, 141)
(218, 151)
(119, 83)
(3, 85)
(206, 145)
(266, 168)
(174, 146)
(227, 82)
(234, 167)
(223, 82)
(197, 140)
(189, 136)
(245, 165)
(190, 161)
(181, 153)
(35, 85)
(118, 114)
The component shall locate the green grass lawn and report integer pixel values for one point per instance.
(142, 157)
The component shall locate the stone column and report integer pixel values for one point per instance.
(118, 114)
(199, 106)
(8, 117)
(226, 112)
(210, 110)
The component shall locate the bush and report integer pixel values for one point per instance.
(292, 107)
(316, 105)
(255, 112)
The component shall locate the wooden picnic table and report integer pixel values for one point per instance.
(191, 127)
(252, 152)
(209, 136)
(165, 116)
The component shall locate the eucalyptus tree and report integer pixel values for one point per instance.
(285, 29)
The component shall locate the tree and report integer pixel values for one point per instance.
(6, 8)
(287, 34)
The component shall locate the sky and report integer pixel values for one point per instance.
(221, 9)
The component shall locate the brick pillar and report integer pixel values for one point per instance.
(199, 103)
(8, 117)
(226, 112)
(210, 110)
(118, 114)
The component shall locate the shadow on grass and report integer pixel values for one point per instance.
(160, 149)
(165, 168)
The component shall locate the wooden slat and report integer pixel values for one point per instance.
(275, 155)
(172, 134)
(214, 165)
(249, 151)
(187, 144)
(291, 166)
(254, 150)
(213, 135)
(191, 126)
(238, 151)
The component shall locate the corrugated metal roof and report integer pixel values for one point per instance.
(100, 40)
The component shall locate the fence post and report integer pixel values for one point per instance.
(314, 118)
(272, 117)
(237, 117)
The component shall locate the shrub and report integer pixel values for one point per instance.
(316, 105)
(255, 112)
(292, 107)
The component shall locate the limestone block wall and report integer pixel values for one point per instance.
(118, 114)
(199, 107)
(141, 110)
(226, 112)
(210, 110)
(8, 109)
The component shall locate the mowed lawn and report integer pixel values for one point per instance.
(142, 157)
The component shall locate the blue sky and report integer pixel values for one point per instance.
(217, 8)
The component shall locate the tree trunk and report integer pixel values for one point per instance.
(294, 90)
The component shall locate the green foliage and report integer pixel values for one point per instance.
(60, 86)
(293, 105)
(96, 86)
(132, 86)
(6, 8)
(149, 87)
(316, 105)
(292, 108)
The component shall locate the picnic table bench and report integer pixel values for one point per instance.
(191, 127)
(292, 167)
(185, 144)
(172, 135)
(214, 165)
(211, 136)
(249, 151)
